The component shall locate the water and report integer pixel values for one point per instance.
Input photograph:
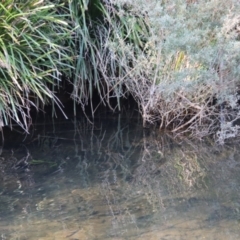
(116, 181)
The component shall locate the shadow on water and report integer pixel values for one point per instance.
(114, 180)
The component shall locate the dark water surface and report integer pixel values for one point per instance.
(115, 180)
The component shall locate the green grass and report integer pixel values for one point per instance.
(32, 57)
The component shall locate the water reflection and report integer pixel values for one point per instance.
(116, 181)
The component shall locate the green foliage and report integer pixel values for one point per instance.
(47, 40)
(32, 57)
(101, 30)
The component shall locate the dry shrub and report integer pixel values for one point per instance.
(187, 74)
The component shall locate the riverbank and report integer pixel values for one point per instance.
(178, 60)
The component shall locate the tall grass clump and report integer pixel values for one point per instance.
(33, 56)
(103, 32)
(184, 73)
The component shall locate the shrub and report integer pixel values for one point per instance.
(187, 74)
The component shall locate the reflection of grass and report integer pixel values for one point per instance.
(97, 188)
(189, 170)
(44, 162)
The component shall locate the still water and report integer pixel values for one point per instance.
(114, 180)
